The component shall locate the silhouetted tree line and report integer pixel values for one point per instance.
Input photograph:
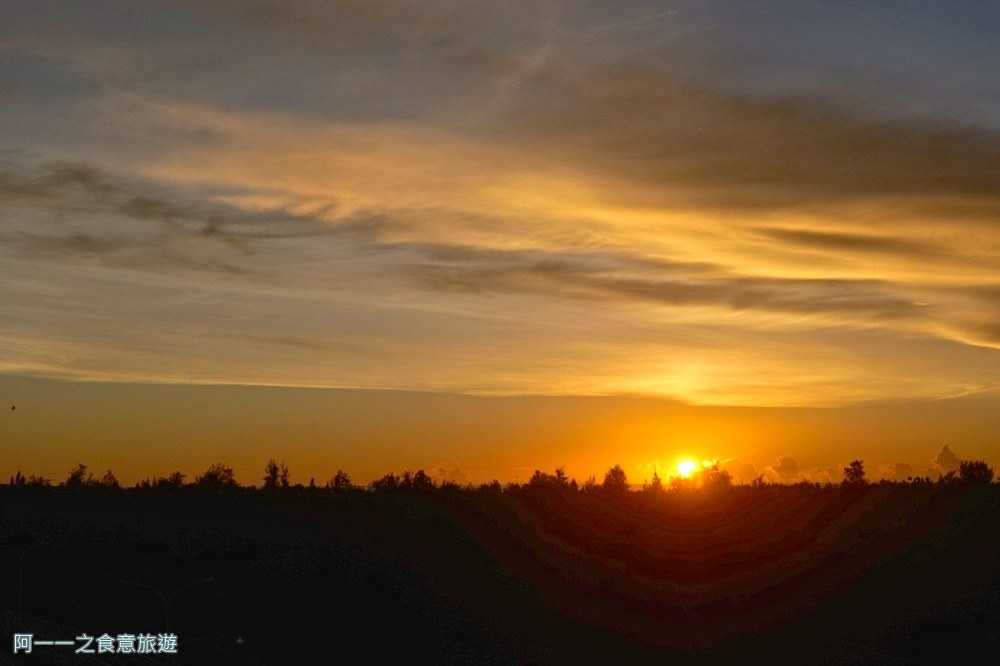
(219, 477)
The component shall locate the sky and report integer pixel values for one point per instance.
(488, 237)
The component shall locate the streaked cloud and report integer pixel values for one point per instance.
(536, 198)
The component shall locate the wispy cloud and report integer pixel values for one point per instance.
(852, 242)
(486, 198)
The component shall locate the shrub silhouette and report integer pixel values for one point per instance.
(975, 471)
(948, 479)
(172, 481)
(79, 477)
(714, 478)
(218, 476)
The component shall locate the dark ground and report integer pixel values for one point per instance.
(791, 574)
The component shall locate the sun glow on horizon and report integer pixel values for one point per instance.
(686, 468)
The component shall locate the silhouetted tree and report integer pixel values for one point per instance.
(340, 481)
(78, 477)
(388, 482)
(218, 476)
(173, 480)
(491, 487)
(38, 481)
(421, 481)
(855, 473)
(678, 482)
(714, 478)
(560, 476)
(418, 480)
(563, 481)
(615, 480)
(947, 479)
(20, 480)
(654, 486)
(275, 475)
(975, 471)
(109, 481)
(558, 481)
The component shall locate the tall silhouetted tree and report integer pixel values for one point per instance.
(615, 480)
(855, 473)
(975, 471)
(340, 481)
(275, 475)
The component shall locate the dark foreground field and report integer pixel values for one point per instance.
(789, 574)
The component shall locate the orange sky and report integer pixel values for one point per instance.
(142, 430)
(788, 207)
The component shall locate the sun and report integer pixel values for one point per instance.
(686, 468)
